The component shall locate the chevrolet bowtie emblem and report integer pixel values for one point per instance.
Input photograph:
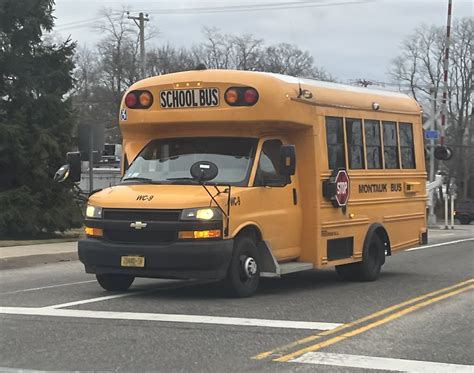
(138, 225)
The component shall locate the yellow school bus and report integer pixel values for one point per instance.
(235, 175)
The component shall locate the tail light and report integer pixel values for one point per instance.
(138, 100)
(241, 96)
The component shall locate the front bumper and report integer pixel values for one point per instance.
(207, 259)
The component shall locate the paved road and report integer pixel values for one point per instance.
(417, 317)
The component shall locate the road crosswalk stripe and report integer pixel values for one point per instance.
(380, 363)
(177, 318)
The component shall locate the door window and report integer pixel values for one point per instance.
(269, 165)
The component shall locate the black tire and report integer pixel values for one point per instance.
(373, 257)
(114, 282)
(243, 275)
(465, 221)
(347, 272)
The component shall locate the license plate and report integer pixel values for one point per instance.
(132, 261)
(189, 98)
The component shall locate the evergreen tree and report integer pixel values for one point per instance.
(35, 121)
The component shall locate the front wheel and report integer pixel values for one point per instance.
(114, 282)
(243, 275)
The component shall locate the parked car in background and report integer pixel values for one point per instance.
(465, 211)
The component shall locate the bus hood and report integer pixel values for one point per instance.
(151, 196)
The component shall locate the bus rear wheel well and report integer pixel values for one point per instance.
(380, 231)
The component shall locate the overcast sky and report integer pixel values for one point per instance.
(350, 41)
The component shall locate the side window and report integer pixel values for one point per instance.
(407, 148)
(269, 165)
(335, 141)
(355, 144)
(373, 145)
(390, 144)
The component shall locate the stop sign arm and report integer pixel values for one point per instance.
(336, 189)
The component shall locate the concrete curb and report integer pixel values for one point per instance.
(31, 260)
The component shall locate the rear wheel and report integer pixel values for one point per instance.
(369, 268)
(243, 275)
(114, 282)
(464, 221)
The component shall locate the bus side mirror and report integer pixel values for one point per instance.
(71, 170)
(287, 160)
(443, 153)
(74, 161)
(62, 174)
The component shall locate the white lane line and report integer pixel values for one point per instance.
(380, 363)
(440, 244)
(166, 286)
(164, 317)
(98, 299)
(47, 287)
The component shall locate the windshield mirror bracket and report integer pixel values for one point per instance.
(213, 199)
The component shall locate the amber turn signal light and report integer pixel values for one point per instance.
(145, 99)
(231, 96)
(190, 235)
(95, 232)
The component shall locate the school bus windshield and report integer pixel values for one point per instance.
(169, 160)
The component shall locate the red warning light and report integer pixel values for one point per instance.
(250, 96)
(131, 100)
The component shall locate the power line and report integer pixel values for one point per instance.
(238, 8)
(84, 22)
(256, 7)
(79, 22)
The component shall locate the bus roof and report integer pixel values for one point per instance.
(323, 93)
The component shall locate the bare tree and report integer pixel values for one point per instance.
(86, 72)
(118, 46)
(287, 59)
(167, 59)
(215, 52)
(420, 66)
(246, 52)
(118, 63)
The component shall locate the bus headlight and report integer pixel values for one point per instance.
(207, 213)
(94, 212)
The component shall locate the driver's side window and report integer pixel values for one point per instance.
(269, 165)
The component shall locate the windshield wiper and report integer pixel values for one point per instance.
(190, 179)
(141, 179)
(172, 158)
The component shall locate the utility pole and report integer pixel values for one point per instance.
(431, 214)
(91, 151)
(444, 112)
(140, 22)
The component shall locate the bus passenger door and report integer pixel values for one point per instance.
(280, 213)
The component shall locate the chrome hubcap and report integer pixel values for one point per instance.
(250, 267)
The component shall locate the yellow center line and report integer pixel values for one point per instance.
(382, 312)
(375, 324)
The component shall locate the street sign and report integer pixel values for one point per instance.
(432, 134)
(342, 188)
